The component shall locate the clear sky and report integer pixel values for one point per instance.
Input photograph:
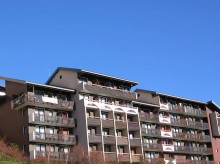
(171, 46)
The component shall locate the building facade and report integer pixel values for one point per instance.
(102, 114)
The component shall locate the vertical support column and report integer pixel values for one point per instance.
(116, 141)
(100, 118)
(129, 145)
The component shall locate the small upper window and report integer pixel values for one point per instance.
(60, 76)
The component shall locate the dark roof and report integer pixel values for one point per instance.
(168, 95)
(36, 84)
(212, 105)
(133, 83)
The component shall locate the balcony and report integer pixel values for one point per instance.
(109, 139)
(52, 138)
(178, 161)
(190, 124)
(168, 147)
(149, 118)
(133, 126)
(182, 110)
(110, 156)
(192, 137)
(107, 91)
(166, 133)
(135, 157)
(95, 138)
(193, 150)
(107, 123)
(41, 101)
(164, 119)
(51, 120)
(121, 124)
(34, 154)
(122, 140)
(152, 147)
(124, 157)
(135, 141)
(93, 121)
(150, 132)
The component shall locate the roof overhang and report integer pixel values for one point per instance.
(145, 104)
(133, 83)
(212, 105)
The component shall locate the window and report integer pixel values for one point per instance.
(118, 117)
(90, 113)
(51, 130)
(39, 114)
(120, 149)
(60, 76)
(131, 135)
(105, 132)
(107, 148)
(23, 148)
(24, 130)
(23, 112)
(40, 129)
(52, 148)
(119, 133)
(40, 147)
(130, 118)
(133, 151)
(91, 130)
(92, 147)
(104, 115)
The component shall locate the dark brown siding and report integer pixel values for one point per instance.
(11, 121)
(215, 141)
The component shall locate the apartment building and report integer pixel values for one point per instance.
(102, 114)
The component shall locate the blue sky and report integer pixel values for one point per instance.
(168, 46)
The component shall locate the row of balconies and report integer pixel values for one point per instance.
(41, 101)
(95, 121)
(178, 161)
(174, 122)
(63, 139)
(182, 110)
(177, 149)
(175, 135)
(111, 140)
(51, 120)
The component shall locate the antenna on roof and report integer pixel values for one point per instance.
(48, 72)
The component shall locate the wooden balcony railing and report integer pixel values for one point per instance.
(121, 124)
(107, 91)
(135, 157)
(150, 132)
(135, 141)
(51, 120)
(52, 138)
(108, 123)
(95, 138)
(93, 121)
(61, 156)
(122, 140)
(38, 100)
(124, 157)
(133, 126)
(109, 139)
(110, 156)
(152, 147)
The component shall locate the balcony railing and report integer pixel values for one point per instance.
(124, 157)
(41, 101)
(109, 139)
(135, 157)
(110, 156)
(135, 141)
(94, 121)
(194, 137)
(174, 122)
(193, 150)
(121, 124)
(95, 138)
(152, 147)
(51, 120)
(133, 126)
(149, 117)
(107, 123)
(52, 138)
(150, 132)
(190, 124)
(107, 91)
(183, 110)
(122, 140)
(61, 156)
(178, 161)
